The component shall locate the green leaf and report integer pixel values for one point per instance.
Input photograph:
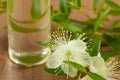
(63, 5)
(108, 55)
(46, 44)
(113, 5)
(116, 30)
(77, 66)
(17, 28)
(95, 46)
(115, 13)
(100, 18)
(68, 26)
(29, 59)
(60, 16)
(88, 30)
(3, 4)
(116, 24)
(101, 7)
(95, 5)
(77, 3)
(113, 42)
(57, 71)
(79, 25)
(28, 21)
(36, 9)
(95, 76)
(10, 5)
(116, 27)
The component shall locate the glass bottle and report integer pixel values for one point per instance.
(28, 23)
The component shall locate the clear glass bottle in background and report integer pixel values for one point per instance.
(28, 23)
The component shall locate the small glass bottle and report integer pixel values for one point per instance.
(28, 23)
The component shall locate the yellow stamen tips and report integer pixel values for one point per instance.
(113, 68)
(61, 36)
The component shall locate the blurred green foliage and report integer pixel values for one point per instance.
(93, 27)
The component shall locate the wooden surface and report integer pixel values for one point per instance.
(11, 71)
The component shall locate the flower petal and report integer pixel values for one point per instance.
(53, 63)
(86, 78)
(97, 65)
(55, 60)
(82, 58)
(69, 70)
(78, 51)
(78, 44)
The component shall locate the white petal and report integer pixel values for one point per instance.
(56, 59)
(53, 62)
(78, 51)
(97, 65)
(86, 78)
(79, 44)
(82, 58)
(69, 70)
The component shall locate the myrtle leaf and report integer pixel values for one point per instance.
(17, 28)
(113, 5)
(29, 59)
(95, 46)
(46, 44)
(95, 5)
(77, 66)
(77, 3)
(59, 16)
(68, 26)
(115, 13)
(116, 30)
(95, 76)
(57, 71)
(108, 55)
(80, 26)
(100, 18)
(116, 24)
(113, 42)
(10, 5)
(36, 9)
(3, 4)
(63, 5)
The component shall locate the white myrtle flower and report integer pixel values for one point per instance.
(68, 50)
(98, 66)
(110, 69)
